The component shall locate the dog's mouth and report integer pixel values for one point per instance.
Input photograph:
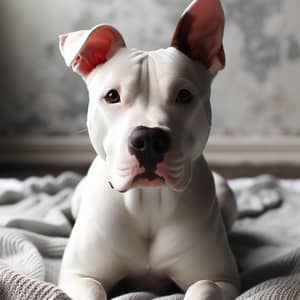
(170, 173)
(148, 179)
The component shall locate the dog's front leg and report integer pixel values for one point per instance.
(79, 287)
(210, 290)
(89, 267)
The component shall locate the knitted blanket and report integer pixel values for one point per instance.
(35, 223)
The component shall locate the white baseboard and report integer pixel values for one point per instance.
(76, 151)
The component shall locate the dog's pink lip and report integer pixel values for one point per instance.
(142, 179)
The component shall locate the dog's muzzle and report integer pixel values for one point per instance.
(149, 145)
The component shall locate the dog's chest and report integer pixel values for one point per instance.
(149, 208)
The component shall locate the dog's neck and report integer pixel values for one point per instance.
(151, 206)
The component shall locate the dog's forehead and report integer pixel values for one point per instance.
(172, 60)
(166, 61)
(169, 60)
(130, 67)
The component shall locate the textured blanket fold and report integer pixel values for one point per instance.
(35, 224)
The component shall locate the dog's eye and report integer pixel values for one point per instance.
(112, 97)
(184, 96)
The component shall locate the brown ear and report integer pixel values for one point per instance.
(86, 49)
(199, 34)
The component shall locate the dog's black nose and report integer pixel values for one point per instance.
(149, 145)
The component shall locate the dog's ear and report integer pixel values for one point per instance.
(199, 34)
(86, 49)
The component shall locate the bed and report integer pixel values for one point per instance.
(35, 224)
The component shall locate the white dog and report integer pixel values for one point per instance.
(148, 211)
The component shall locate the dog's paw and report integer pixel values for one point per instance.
(86, 288)
(204, 290)
(93, 290)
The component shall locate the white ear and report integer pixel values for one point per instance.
(199, 34)
(86, 49)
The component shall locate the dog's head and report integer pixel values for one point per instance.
(149, 113)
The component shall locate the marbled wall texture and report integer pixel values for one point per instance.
(257, 94)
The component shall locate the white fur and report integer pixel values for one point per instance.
(158, 232)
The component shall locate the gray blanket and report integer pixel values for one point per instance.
(35, 224)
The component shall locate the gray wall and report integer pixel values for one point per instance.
(257, 94)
